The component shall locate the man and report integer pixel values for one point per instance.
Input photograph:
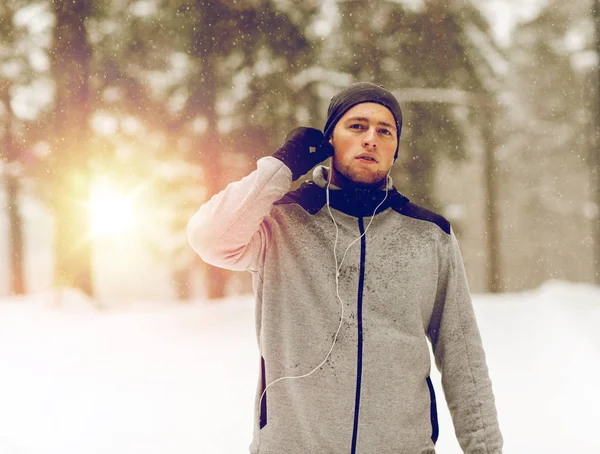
(350, 279)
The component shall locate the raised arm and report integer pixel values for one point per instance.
(460, 358)
(228, 231)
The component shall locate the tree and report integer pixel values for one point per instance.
(223, 103)
(406, 48)
(434, 57)
(15, 224)
(595, 151)
(9, 157)
(253, 34)
(68, 165)
(547, 127)
(18, 73)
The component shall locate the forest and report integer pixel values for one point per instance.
(119, 118)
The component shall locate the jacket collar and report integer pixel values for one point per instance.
(355, 201)
(321, 173)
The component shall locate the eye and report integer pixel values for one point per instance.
(357, 126)
(385, 131)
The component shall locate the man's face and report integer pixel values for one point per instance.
(364, 141)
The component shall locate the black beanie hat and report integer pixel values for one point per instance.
(356, 94)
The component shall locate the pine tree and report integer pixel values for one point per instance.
(235, 89)
(68, 166)
(546, 155)
(419, 47)
(18, 135)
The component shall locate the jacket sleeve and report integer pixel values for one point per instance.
(460, 358)
(228, 231)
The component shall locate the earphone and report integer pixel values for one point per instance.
(337, 276)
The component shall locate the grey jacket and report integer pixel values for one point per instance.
(402, 284)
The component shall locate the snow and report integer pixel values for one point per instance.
(152, 377)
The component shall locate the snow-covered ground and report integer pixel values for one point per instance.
(180, 378)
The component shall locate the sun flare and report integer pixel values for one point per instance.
(111, 211)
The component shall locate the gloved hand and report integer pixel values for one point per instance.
(303, 149)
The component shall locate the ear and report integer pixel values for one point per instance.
(332, 152)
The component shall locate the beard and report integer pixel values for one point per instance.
(346, 176)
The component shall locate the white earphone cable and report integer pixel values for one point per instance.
(337, 287)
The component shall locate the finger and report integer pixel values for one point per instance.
(313, 137)
(326, 148)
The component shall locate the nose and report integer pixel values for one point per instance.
(369, 139)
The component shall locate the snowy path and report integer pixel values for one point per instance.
(171, 378)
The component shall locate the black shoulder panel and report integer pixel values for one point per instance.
(407, 208)
(309, 196)
(313, 198)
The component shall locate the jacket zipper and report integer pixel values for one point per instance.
(361, 281)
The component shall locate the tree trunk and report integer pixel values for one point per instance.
(595, 151)
(209, 157)
(15, 221)
(216, 278)
(15, 225)
(494, 279)
(70, 183)
(419, 163)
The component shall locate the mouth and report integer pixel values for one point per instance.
(366, 158)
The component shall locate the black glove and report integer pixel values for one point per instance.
(303, 149)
